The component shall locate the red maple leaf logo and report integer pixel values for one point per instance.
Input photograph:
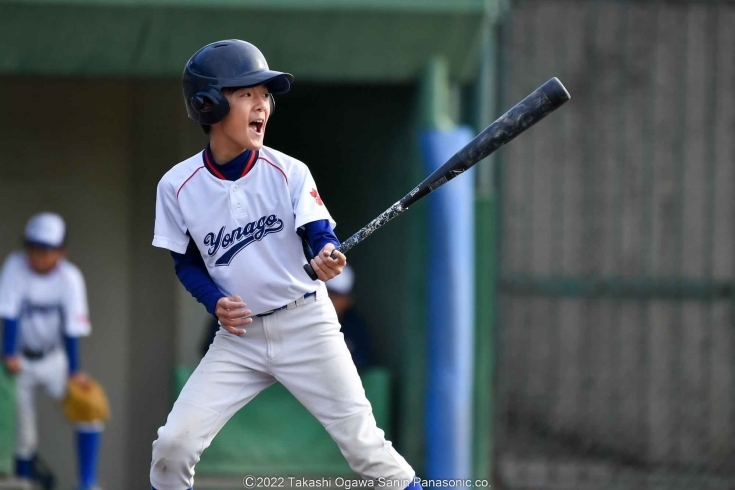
(316, 197)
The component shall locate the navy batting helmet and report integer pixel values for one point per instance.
(226, 64)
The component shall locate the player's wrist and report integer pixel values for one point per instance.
(214, 302)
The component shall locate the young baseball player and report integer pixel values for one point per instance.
(240, 219)
(43, 305)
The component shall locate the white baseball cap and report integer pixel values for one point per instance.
(342, 284)
(46, 230)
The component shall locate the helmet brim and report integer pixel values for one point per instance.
(276, 81)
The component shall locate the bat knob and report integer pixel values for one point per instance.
(310, 271)
(555, 92)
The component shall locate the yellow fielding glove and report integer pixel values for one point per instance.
(86, 403)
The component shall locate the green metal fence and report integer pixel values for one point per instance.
(615, 336)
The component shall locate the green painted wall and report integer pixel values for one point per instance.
(485, 292)
(332, 44)
(483, 111)
(390, 5)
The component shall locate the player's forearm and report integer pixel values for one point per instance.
(10, 337)
(72, 353)
(206, 294)
(319, 233)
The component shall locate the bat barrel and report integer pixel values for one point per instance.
(536, 106)
(555, 92)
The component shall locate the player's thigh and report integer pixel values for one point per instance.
(26, 433)
(53, 373)
(200, 412)
(25, 387)
(327, 383)
(225, 376)
(219, 386)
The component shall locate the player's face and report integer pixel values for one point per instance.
(249, 111)
(44, 260)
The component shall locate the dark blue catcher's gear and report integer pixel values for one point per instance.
(226, 64)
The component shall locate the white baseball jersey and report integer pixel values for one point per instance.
(245, 230)
(47, 306)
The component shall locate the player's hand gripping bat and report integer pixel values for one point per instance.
(539, 104)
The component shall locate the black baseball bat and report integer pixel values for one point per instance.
(536, 106)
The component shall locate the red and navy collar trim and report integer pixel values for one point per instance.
(251, 161)
(235, 169)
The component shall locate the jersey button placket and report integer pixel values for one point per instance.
(237, 199)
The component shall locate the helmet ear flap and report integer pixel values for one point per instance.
(273, 103)
(209, 106)
(201, 102)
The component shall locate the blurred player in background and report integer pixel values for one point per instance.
(43, 306)
(354, 328)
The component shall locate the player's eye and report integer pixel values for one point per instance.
(245, 94)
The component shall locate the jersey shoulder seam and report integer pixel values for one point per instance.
(277, 167)
(191, 176)
(286, 163)
(182, 171)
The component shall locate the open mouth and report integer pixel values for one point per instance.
(257, 126)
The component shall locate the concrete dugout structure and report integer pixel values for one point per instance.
(93, 117)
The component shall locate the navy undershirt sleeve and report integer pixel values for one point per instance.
(192, 273)
(72, 353)
(319, 233)
(10, 336)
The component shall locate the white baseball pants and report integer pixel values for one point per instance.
(49, 373)
(302, 348)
